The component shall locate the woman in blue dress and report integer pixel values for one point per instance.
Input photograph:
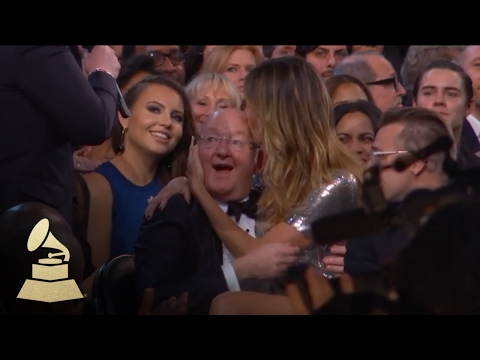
(151, 149)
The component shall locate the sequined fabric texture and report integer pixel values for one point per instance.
(339, 195)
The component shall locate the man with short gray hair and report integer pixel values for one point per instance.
(375, 71)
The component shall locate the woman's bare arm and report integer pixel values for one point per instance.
(237, 240)
(250, 303)
(339, 195)
(99, 228)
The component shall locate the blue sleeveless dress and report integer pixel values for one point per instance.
(129, 204)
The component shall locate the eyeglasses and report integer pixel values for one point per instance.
(176, 57)
(375, 154)
(211, 142)
(388, 81)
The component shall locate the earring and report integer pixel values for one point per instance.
(121, 147)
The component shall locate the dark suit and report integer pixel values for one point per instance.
(176, 251)
(367, 254)
(469, 145)
(46, 104)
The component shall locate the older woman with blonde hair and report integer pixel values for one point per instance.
(308, 173)
(234, 61)
(209, 92)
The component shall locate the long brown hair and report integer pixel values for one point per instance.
(299, 141)
(175, 163)
(336, 81)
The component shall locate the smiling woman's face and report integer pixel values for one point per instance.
(156, 121)
(355, 130)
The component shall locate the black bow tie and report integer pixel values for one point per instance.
(248, 208)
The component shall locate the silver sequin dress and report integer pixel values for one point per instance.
(341, 194)
(337, 196)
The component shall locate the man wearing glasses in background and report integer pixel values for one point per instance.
(169, 59)
(374, 70)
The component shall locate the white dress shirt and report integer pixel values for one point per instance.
(475, 123)
(247, 225)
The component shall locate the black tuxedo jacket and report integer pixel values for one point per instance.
(177, 251)
(469, 145)
(46, 104)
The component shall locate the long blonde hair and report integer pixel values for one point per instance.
(217, 60)
(299, 141)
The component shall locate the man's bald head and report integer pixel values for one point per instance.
(359, 66)
(16, 260)
(469, 53)
(361, 55)
(228, 114)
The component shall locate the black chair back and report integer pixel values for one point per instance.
(114, 287)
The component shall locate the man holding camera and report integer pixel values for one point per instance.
(401, 131)
(47, 105)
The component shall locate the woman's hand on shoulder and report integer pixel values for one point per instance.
(187, 186)
(175, 186)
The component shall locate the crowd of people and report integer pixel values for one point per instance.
(227, 157)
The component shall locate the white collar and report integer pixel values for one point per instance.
(475, 123)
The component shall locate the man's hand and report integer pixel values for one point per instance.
(103, 57)
(83, 163)
(172, 306)
(334, 261)
(266, 261)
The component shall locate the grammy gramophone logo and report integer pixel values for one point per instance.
(50, 282)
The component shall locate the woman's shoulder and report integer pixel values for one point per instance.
(97, 184)
(343, 178)
(342, 185)
(339, 194)
(107, 169)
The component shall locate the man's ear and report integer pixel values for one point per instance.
(258, 160)
(418, 166)
(123, 121)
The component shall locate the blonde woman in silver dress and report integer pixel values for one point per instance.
(307, 174)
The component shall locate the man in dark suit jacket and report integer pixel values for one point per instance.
(468, 147)
(47, 104)
(399, 129)
(178, 251)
